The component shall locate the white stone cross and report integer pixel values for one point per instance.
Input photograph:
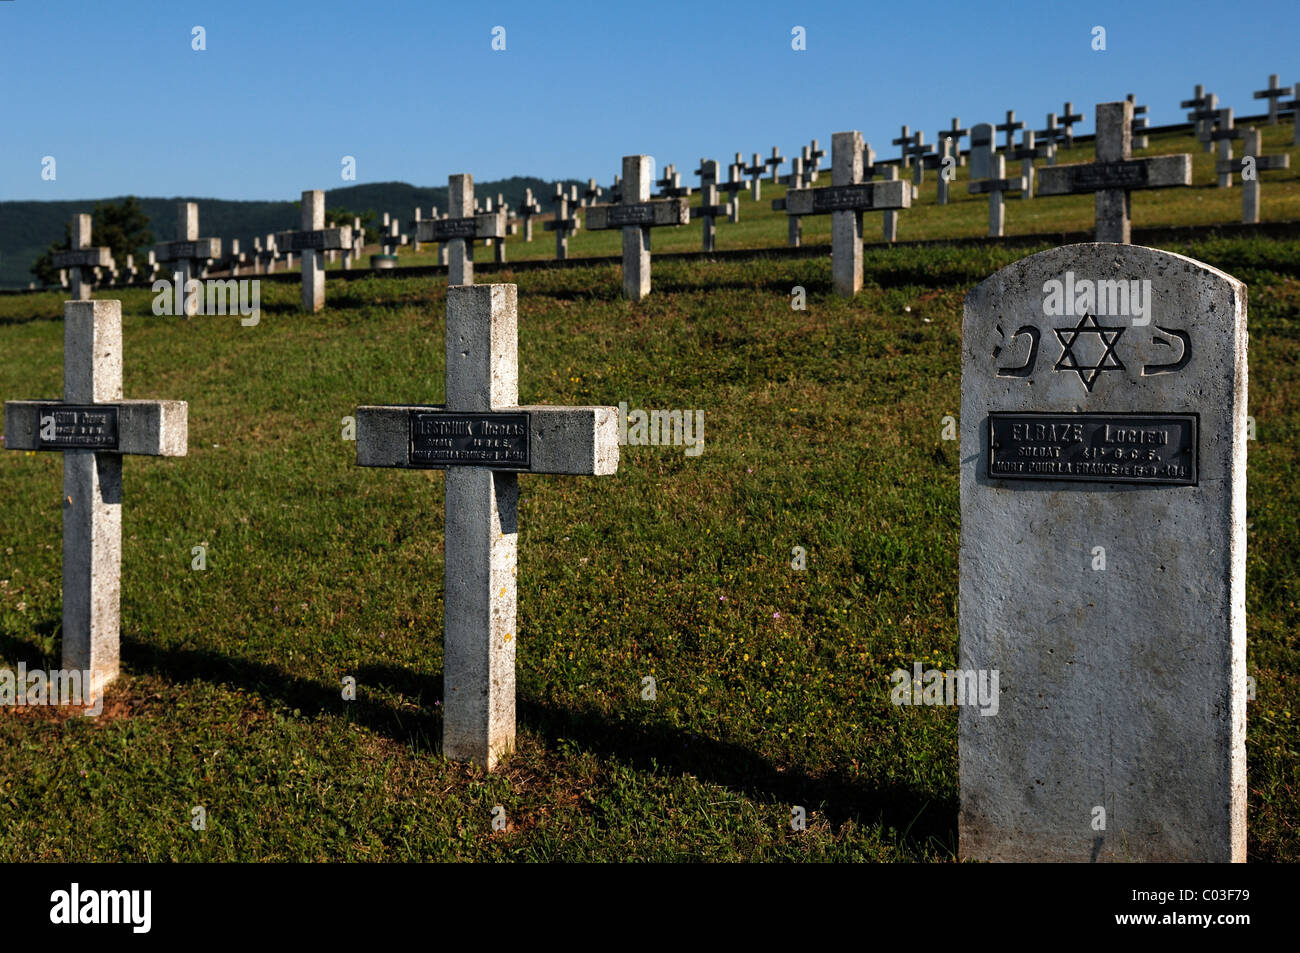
(1273, 93)
(1115, 173)
(484, 439)
(81, 258)
(527, 210)
(566, 219)
(1009, 129)
(186, 251)
(1254, 144)
(1068, 118)
(461, 227)
(94, 427)
(709, 210)
(312, 239)
(636, 215)
(845, 201)
(774, 163)
(995, 186)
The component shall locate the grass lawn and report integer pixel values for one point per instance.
(822, 429)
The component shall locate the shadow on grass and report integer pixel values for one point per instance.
(920, 820)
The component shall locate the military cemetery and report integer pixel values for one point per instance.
(965, 537)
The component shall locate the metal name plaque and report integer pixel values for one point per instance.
(443, 438)
(842, 198)
(631, 215)
(1100, 448)
(69, 427)
(444, 229)
(1109, 175)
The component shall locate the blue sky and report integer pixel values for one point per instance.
(414, 91)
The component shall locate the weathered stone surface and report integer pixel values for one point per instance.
(1124, 687)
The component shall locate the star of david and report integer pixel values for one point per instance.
(1106, 337)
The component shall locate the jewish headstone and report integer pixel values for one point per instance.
(1103, 560)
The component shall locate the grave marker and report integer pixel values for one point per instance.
(311, 240)
(81, 259)
(981, 151)
(1068, 118)
(1205, 118)
(1273, 93)
(527, 210)
(187, 252)
(995, 186)
(774, 163)
(94, 428)
(1115, 173)
(845, 201)
(755, 172)
(565, 221)
(1050, 137)
(1224, 131)
(733, 187)
(1103, 559)
(1198, 102)
(1027, 153)
(636, 215)
(1250, 185)
(461, 227)
(709, 210)
(484, 439)
(1139, 122)
(1009, 128)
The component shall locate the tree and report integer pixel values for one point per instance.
(122, 227)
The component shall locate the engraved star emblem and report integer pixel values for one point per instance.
(1070, 338)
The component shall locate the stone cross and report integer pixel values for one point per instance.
(414, 225)
(591, 195)
(565, 221)
(889, 227)
(812, 162)
(670, 185)
(1051, 136)
(995, 186)
(1224, 131)
(709, 210)
(1198, 102)
(981, 151)
(1273, 93)
(774, 163)
(947, 148)
(311, 240)
(755, 171)
(1139, 122)
(904, 141)
(920, 153)
(956, 134)
(527, 210)
(484, 439)
(636, 215)
(1009, 128)
(187, 251)
(1205, 118)
(733, 187)
(1250, 184)
(499, 244)
(235, 258)
(794, 224)
(1293, 107)
(616, 190)
(461, 227)
(81, 259)
(1027, 153)
(1068, 118)
(95, 428)
(1102, 572)
(845, 201)
(1115, 173)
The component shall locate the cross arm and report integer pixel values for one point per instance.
(582, 441)
(1152, 173)
(862, 197)
(661, 212)
(150, 428)
(321, 239)
(177, 251)
(84, 258)
(480, 225)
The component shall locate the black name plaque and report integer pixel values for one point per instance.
(445, 438)
(1159, 449)
(74, 427)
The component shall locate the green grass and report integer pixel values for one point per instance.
(822, 430)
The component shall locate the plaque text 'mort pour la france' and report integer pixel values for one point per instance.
(442, 439)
